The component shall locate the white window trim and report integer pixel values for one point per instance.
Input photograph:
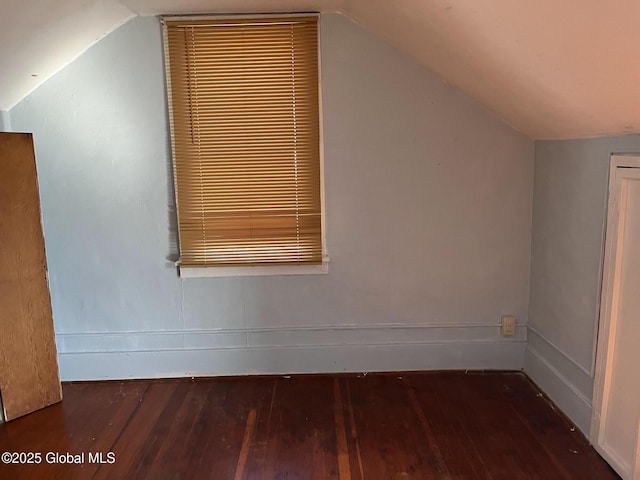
(255, 271)
(268, 270)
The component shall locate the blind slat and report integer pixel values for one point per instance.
(245, 139)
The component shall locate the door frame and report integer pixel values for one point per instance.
(607, 324)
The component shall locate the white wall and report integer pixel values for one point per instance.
(428, 207)
(570, 203)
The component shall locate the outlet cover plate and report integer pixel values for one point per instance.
(508, 326)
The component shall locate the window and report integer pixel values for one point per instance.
(245, 132)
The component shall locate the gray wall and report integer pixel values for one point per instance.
(428, 210)
(5, 121)
(570, 204)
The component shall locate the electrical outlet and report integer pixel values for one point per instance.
(508, 327)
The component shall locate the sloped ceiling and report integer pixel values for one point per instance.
(549, 68)
(39, 37)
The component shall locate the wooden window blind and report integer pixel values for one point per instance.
(243, 97)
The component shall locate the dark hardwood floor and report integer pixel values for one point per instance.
(378, 426)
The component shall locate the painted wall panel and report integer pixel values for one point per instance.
(570, 201)
(569, 215)
(428, 210)
(5, 121)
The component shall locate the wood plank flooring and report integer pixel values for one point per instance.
(379, 426)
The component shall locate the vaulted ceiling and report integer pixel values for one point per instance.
(549, 68)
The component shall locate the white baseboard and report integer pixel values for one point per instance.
(564, 381)
(100, 356)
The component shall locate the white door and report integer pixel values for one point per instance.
(616, 409)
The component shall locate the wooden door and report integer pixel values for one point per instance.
(616, 419)
(28, 360)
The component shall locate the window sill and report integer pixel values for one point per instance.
(260, 271)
